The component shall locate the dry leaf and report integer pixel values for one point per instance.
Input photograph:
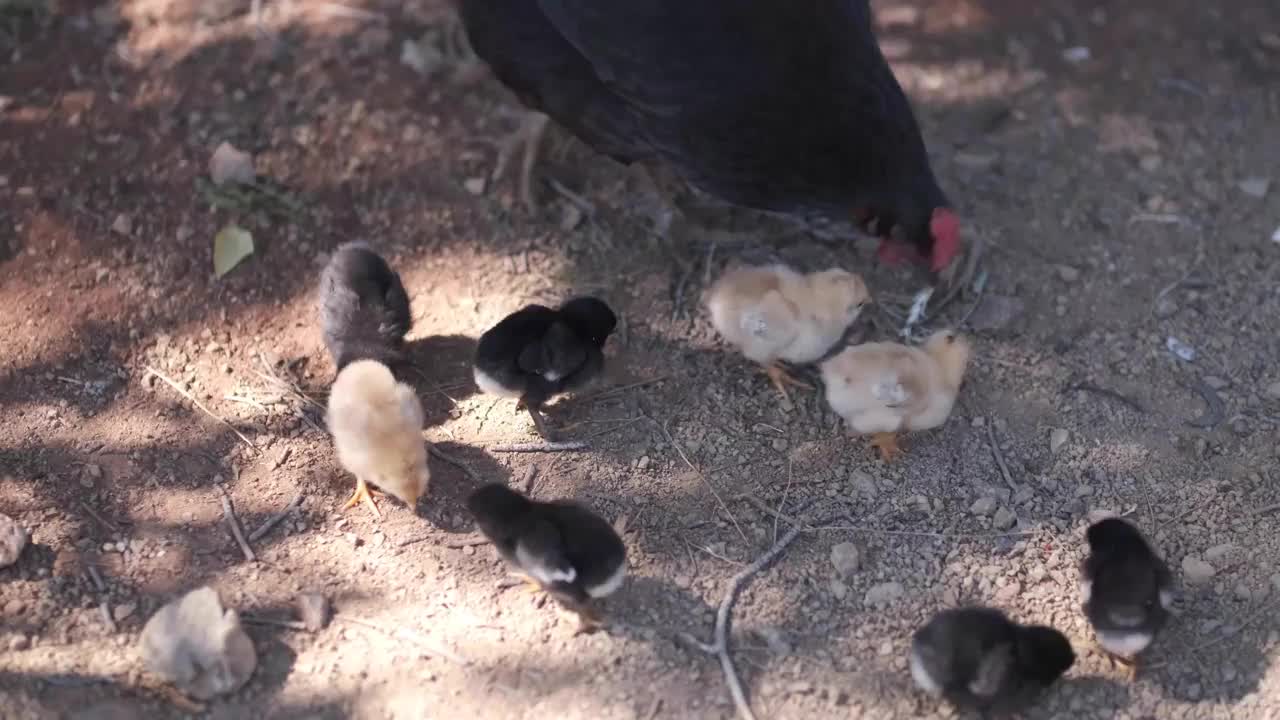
(231, 245)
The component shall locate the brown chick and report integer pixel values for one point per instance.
(377, 431)
(881, 389)
(774, 313)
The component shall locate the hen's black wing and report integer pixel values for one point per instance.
(531, 57)
(779, 106)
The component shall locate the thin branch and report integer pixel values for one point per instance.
(623, 388)
(96, 577)
(409, 636)
(465, 543)
(260, 620)
(533, 447)
(178, 388)
(104, 609)
(99, 518)
(1107, 393)
(1265, 611)
(920, 533)
(719, 645)
(457, 463)
(274, 520)
(1265, 509)
(230, 514)
(783, 502)
(716, 493)
(999, 456)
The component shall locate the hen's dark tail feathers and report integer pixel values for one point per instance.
(364, 309)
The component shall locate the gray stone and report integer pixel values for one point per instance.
(883, 594)
(846, 558)
(863, 483)
(13, 538)
(313, 609)
(1057, 439)
(1004, 519)
(1196, 571)
(199, 646)
(983, 506)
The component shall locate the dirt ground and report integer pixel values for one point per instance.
(1113, 156)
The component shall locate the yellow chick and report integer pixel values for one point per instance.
(774, 313)
(376, 424)
(881, 389)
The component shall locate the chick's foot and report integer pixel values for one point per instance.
(362, 495)
(781, 378)
(887, 445)
(540, 423)
(525, 141)
(1129, 666)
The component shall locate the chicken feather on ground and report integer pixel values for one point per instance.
(881, 389)
(772, 313)
(376, 424)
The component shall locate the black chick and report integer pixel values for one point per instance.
(537, 353)
(560, 546)
(364, 309)
(980, 660)
(1127, 590)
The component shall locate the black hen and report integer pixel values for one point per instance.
(979, 659)
(1127, 589)
(787, 107)
(536, 353)
(562, 547)
(364, 310)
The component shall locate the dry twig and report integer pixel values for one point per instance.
(680, 450)
(103, 521)
(1107, 393)
(456, 463)
(230, 514)
(274, 520)
(178, 388)
(104, 609)
(260, 620)
(1265, 509)
(623, 388)
(409, 636)
(533, 447)
(719, 646)
(999, 456)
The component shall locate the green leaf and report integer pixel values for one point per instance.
(231, 245)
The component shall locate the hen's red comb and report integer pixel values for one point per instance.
(945, 229)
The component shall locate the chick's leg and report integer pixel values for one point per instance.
(540, 423)
(530, 585)
(887, 444)
(526, 140)
(1129, 665)
(362, 494)
(781, 378)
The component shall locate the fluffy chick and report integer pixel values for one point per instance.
(881, 389)
(537, 353)
(980, 660)
(1127, 590)
(772, 313)
(560, 546)
(364, 309)
(377, 431)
